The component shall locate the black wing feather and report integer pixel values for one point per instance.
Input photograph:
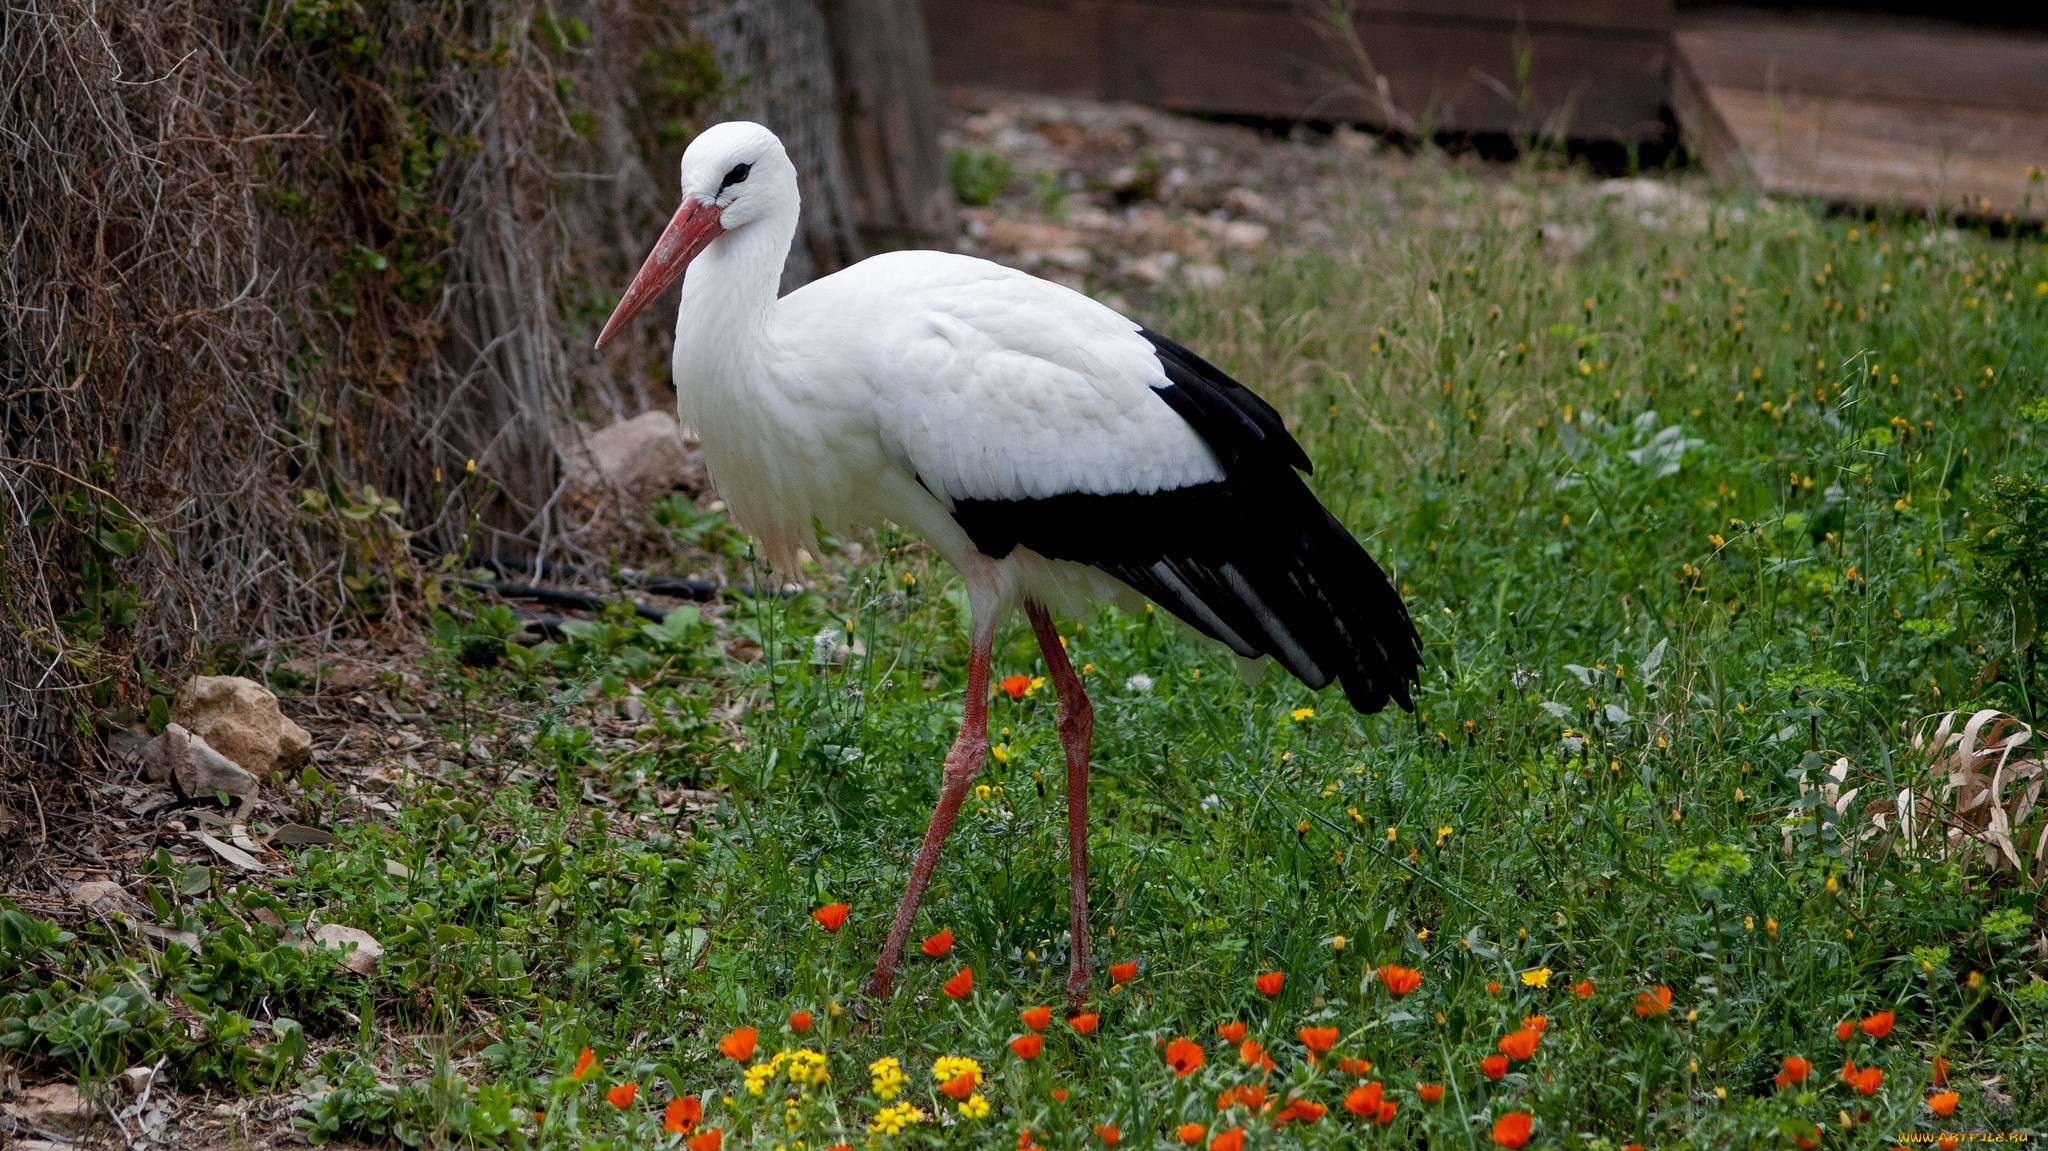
(1252, 560)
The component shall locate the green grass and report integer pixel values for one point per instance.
(1682, 520)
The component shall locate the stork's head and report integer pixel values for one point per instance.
(733, 175)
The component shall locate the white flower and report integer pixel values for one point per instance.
(1139, 683)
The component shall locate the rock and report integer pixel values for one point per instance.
(104, 896)
(192, 766)
(136, 1079)
(643, 457)
(56, 1108)
(237, 717)
(294, 745)
(367, 951)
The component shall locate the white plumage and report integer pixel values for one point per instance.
(1052, 450)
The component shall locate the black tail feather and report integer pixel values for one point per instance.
(1260, 566)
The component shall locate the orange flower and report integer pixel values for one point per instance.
(1877, 1026)
(1364, 1100)
(1655, 1001)
(682, 1114)
(706, 1140)
(1944, 1104)
(1084, 1023)
(1059, 1095)
(1183, 1055)
(1028, 1046)
(1519, 1044)
(1015, 686)
(1807, 1142)
(1359, 1067)
(799, 1021)
(1036, 1018)
(1535, 1022)
(1190, 1133)
(1493, 987)
(1251, 1051)
(1940, 1068)
(1949, 1143)
(1231, 1140)
(937, 944)
(1231, 1032)
(1269, 983)
(1845, 1031)
(621, 1096)
(959, 1086)
(960, 985)
(1494, 1066)
(1583, 989)
(1792, 1070)
(1429, 1092)
(1386, 1115)
(831, 915)
(1308, 1111)
(1398, 979)
(1250, 1095)
(738, 1045)
(1108, 1133)
(1123, 972)
(1868, 1080)
(1318, 1039)
(1024, 1142)
(1512, 1129)
(584, 1062)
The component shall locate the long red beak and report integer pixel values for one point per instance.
(695, 225)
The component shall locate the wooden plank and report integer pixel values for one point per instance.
(1866, 57)
(1449, 66)
(1588, 83)
(1052, 47)
(1705, 131)
(1961, 157)
(1858, 109)
(1639, 15)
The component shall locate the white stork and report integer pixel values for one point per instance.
(1050, 449)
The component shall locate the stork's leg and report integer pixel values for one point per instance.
(961, 763)
(1076, 724)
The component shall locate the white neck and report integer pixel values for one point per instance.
(729, 290)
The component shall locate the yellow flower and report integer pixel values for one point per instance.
(807, 1066)
(758, 1076)
(1536, 977)
(947, 1068)
(1392, 833)
(1301, 713)
(1001, 752)
(885, 1075)
(891, 1120)
(1037, 681)
(974, 1106)
(1442, 833)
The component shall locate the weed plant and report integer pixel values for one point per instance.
(1684, 517)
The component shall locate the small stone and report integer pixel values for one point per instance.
(236, 716)
(136, 1079)
(192, 766)
(367, 951)
(104, 895)
(643, 457)
(294, 745)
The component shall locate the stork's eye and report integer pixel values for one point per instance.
(738, 173)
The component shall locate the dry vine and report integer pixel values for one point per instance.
(278, 272)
